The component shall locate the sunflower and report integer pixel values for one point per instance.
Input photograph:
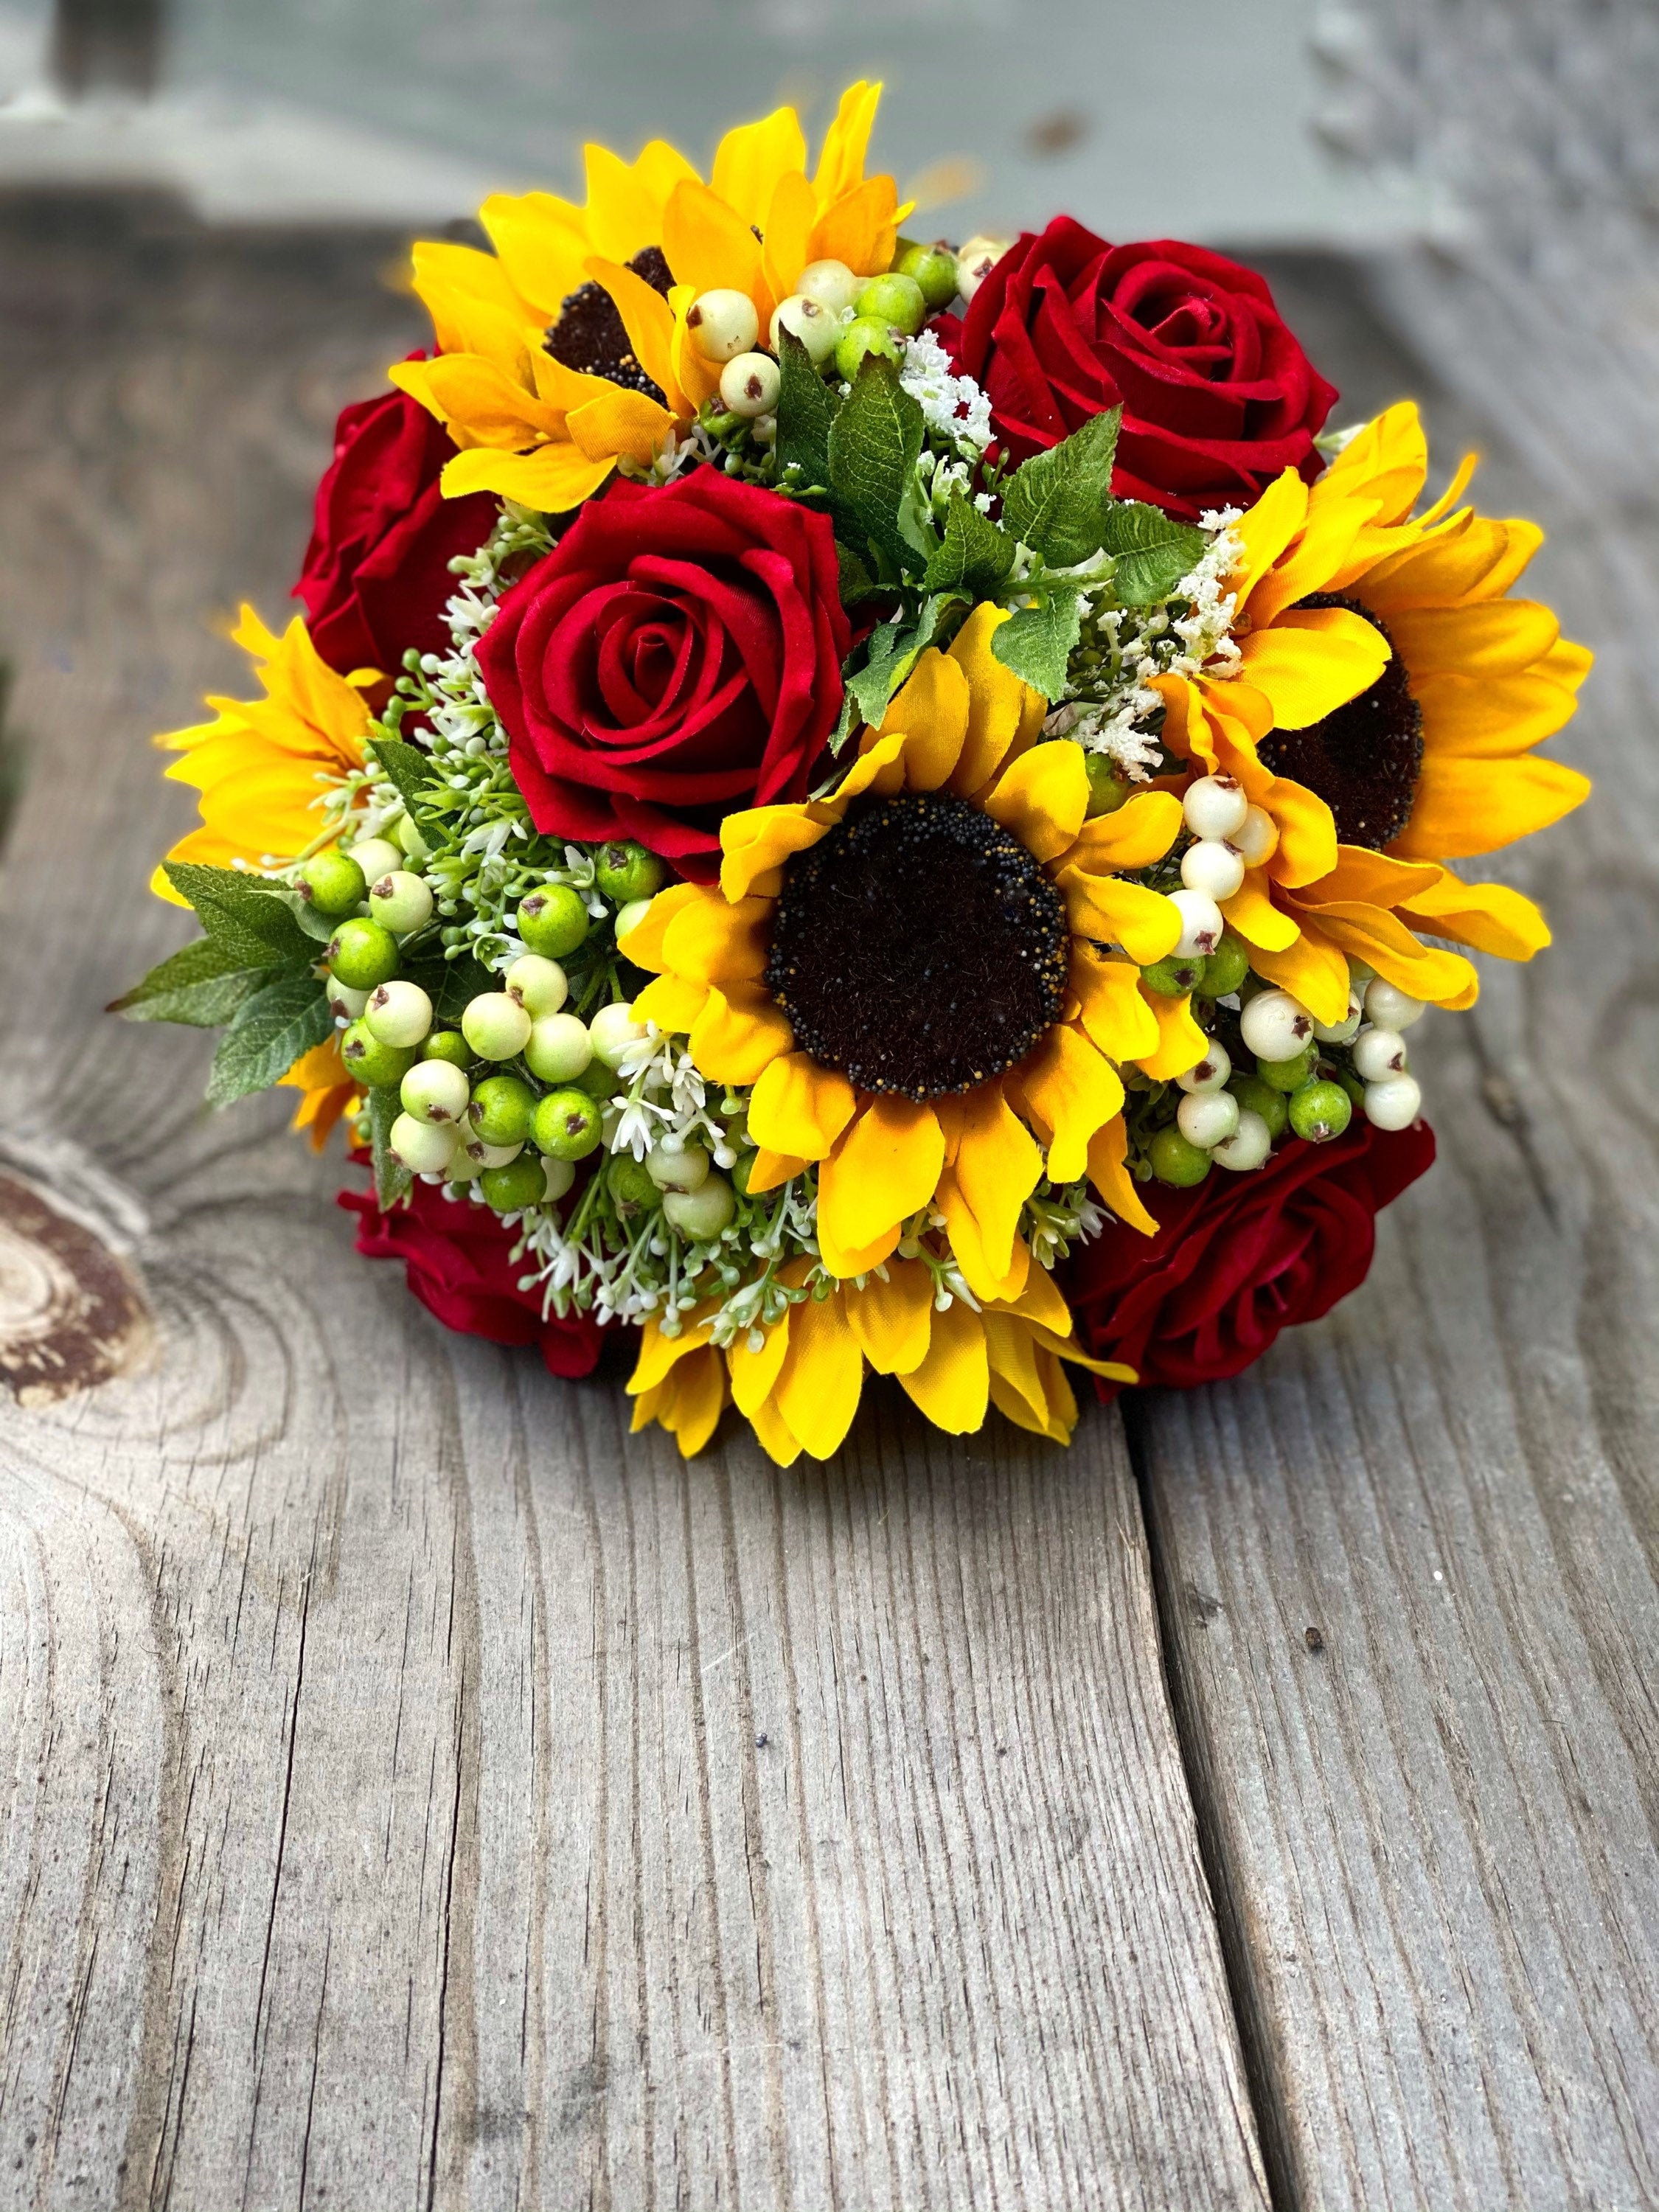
(565, 350)
(911, 972)
(262, 765)
(328, 1092)
(1388, 699)
(801, 1388)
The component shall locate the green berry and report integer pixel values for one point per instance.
(519, 1184)
(567, 1125)
(700, 1214)
(370, 1062)
(1353, 1085)
(502, 1109)
(1177, 1162)
(363, 953)
(1255, 1096)
(631, 1187)
(450, 1045)
(1290, 1074)
(1226, 968)
(400, 900)
(1175, 977)
(685, 1170)
(933, 269)
(867, 334)
(1108, 788)
(625, 871)
(332, 881)
(598, 1080)
(895, 299)
(409, 838)
(742, 1171)
(553, 921)
(1319, 1111)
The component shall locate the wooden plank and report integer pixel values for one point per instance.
(415, 1791)
(1434, 1836)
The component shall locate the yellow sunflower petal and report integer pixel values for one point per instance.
(1264, 531)
(711, 939)
(840, 160)
(626, 200)
(475, 309)
(1492, 717)
(659, 1352)
(1252, 915)
(1312, 661)
(750, 159)
(1473, 558)
(1387, 462)
(1141, 831)
(1313, 970)
(708, 245)
(846, 1260)
(1071, 1089)
(788, 234)
(1319, 553)
(1307, 832)
(1180, 1043)
(860, 228)
(1499, 638)
(672, 1003)
(1369, 934)
(648, 320)
(951, 1386)
(799, 1107)
(885, 1168)
(997, 1166)
(626, 425)
(643, 943)
(1041, 1302)
(773, 1434)
(758, 842)
(1041, 797)
(687, 1402)
(1374, 878)
(738, 1033)
(552, 480)
(821, 1376)
(541, 243)
(1108, 1150)
(1112, 912)
(929, 713)
(891, 1316)
(755, 1374)
(987, 1278)
(1111, 1003)
(1028, 1386)
(1467, 806)
(1489, 916)
(768, 1169)
(999, 702)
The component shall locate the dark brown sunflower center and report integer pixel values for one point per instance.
(1364, 760)
(918, 947)
(590, 335)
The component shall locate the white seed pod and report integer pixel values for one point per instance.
(1275, 1026)
(537, 984)
(1249, 1146)
(400, 902)
(1394, 1104)
(1201, 923)
(434, 1090)
(1212, 867)
(1344, 1031)
(490, 1156)
(1208, 1119)
(343, 1003)
(814, 326)
(495, 1026)
(397, 1014)
(1215, 807)
(831, 284)
(424, 1147)
(1212, 1072)
(1378, 1055)
(750, 383)
(685, 1167)
(1391, 1007)
(614, 1033)
(377, 857)
(1256, 840)
(722, 323)
(976, 259)
(558, 1175)
(559, 1048)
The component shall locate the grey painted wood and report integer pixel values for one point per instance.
(412, 1792)
(1434, 1837)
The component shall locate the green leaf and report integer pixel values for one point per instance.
(316, 926)
(203, 985)
(806, 410)
(237, 911)
(975, 557)
(464, 980)
(1153, 552)
(392, 1181)
(284, 1018)
(1038, 642)
(873, 446)
(411, 771)
(856, 581)
(1056, 502)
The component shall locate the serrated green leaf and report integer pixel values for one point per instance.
(806, 409)
(1038, 642)
(316, 926)
(411, 772)
(1152, 551)
(282, 1020)
(873, 445)
(392, 1181)
(236, 910)
(892, 653)
(203, 985)
(855, 579)
(845, 722)
(975, 557)
(1056, 502)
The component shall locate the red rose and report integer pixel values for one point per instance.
(1239, 1257)
(376, 578)
(1217, 396)
(675, 658)
(455, 1256)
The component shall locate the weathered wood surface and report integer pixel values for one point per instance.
(413, 1791)
(1434, 1838)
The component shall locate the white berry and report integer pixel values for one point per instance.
(722, 323)
(1212, 867)
(614, 1033)
(1340, 1032)
(1215, 807)
(1276, 1026)
(1201, 924)
(1212, 1072)
(975, 262)
(377, 857)
(490, 1156)
(686, 1167)
(814, 326)
(539, 984)
(559, 1049)
(495, 1026)
(750, 383)
(398, 1013)
(1377, 1054)
(1391, 1007)
(424, 1147)
(434, 1090)
(1257, 837)
(1249, 1146)
(831, 284)
(343, 1003)
(558, 1175)
(400, 902)
(1394, 1104)
(1208, 1118)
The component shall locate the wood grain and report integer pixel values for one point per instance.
(1434, 1838)
(413, 1791)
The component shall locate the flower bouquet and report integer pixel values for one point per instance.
(844, 802)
